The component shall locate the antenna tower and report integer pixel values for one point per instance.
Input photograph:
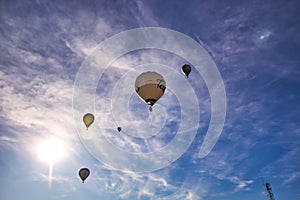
(269, 190)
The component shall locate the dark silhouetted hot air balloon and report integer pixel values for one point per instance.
(84, 173)
(186, 69)
(88, 119)
(150, 86)
(119, 128)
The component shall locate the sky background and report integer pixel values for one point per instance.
(255, 46)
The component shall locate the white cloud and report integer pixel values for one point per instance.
(241, 184)
(292, 177)
(143, 14)
(37, 96)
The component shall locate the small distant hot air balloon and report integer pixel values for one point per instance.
(119, 128)
(88, 119)
(84, 173)
(150, 86)
(186, 69)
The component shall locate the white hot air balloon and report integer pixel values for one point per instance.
(150, 86)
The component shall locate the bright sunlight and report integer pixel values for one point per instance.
(51, 151)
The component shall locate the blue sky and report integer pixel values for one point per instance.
(50, 51)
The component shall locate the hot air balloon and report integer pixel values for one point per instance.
(186, 69)
(84, 173)
(119, 128)
(88, 119)
(150, 86)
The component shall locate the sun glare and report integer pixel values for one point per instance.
(51, 150)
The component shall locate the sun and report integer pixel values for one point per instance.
(51, 150)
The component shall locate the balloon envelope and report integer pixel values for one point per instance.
(88, 119)
(150, 86)
(119, 128)
(186, 69)
(84, 173)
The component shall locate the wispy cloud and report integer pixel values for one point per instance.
(150, 185)
(44, 44)
(288, 172)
